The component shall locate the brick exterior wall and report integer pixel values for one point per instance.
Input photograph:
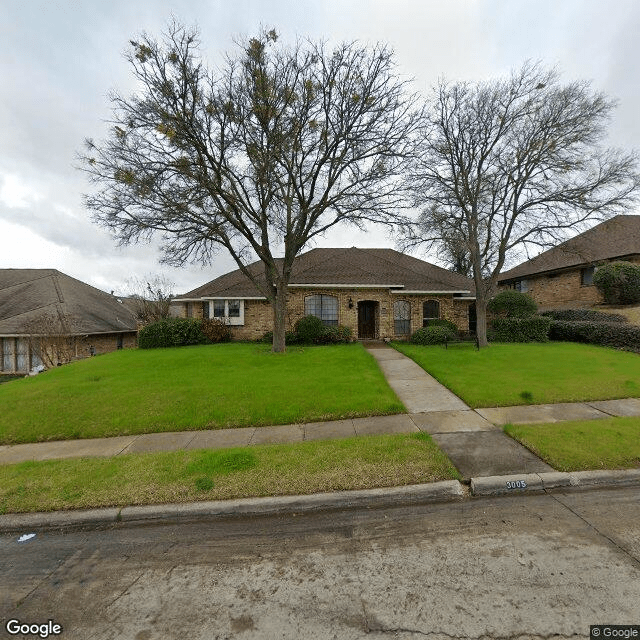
(105, 343)
(563, 289)
(258, 315)
(81, 348)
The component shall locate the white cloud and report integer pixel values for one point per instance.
(15, 193)
(60, 60)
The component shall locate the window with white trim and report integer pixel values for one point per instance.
(230, 311)
(323, 307)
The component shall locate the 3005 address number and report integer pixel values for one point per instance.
(516, 484)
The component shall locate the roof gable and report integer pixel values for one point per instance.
(27, 294)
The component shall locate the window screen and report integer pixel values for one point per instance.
(430, 311)
(402, 317)
(323, 307)
(218, 308)
(586, 276)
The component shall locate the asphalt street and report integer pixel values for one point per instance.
(527, 566)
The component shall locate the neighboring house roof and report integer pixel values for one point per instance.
(614, 239)
(343, 267)
(28, 294)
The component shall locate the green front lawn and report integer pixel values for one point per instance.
(184, 476)
(590, 444)
(512, 374)
(203, 387)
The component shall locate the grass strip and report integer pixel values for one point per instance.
(187, 388)
(611, 443)
(183, 476)
(505, 375)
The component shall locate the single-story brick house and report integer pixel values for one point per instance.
(563, 275)
(32, 300)
(377, 293)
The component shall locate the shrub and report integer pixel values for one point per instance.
(309, 329)
(441, 322)
(512, 304)
(607, 334)
(335, 335)
(534, 329)
(171, 332)
(619, 282)
(434, 335)
(584, 315)
(216, 330)
(291, 337)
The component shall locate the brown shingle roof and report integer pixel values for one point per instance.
(613, 239)
(26, 294)
(384, 267)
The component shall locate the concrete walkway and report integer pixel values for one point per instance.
(474, 440)
(475, 445)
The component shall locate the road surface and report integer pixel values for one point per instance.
(537, 566)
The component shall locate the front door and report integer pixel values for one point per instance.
(367, 320)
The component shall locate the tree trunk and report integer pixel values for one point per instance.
(482, 298)
(279, 306)
(481, 320)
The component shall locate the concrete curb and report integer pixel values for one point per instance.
(531, 482)
(446, 491)
(174, 513)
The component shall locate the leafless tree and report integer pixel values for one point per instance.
(52, 338)
(258, 158)
(512, 164)
(150, 297)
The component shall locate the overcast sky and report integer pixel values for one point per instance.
(60, 58)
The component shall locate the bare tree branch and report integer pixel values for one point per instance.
(281, 145)
(513, 164)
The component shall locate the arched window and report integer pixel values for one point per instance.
(323, 307)
(430, 311)
(402, 317)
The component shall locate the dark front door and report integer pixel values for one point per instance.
(367, 320)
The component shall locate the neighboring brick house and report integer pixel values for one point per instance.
(377, 293)
(563, 275)
(31, 300)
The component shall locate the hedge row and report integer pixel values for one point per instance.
(180, 332)
(534, 329)
(584, 315)
(608, 334)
